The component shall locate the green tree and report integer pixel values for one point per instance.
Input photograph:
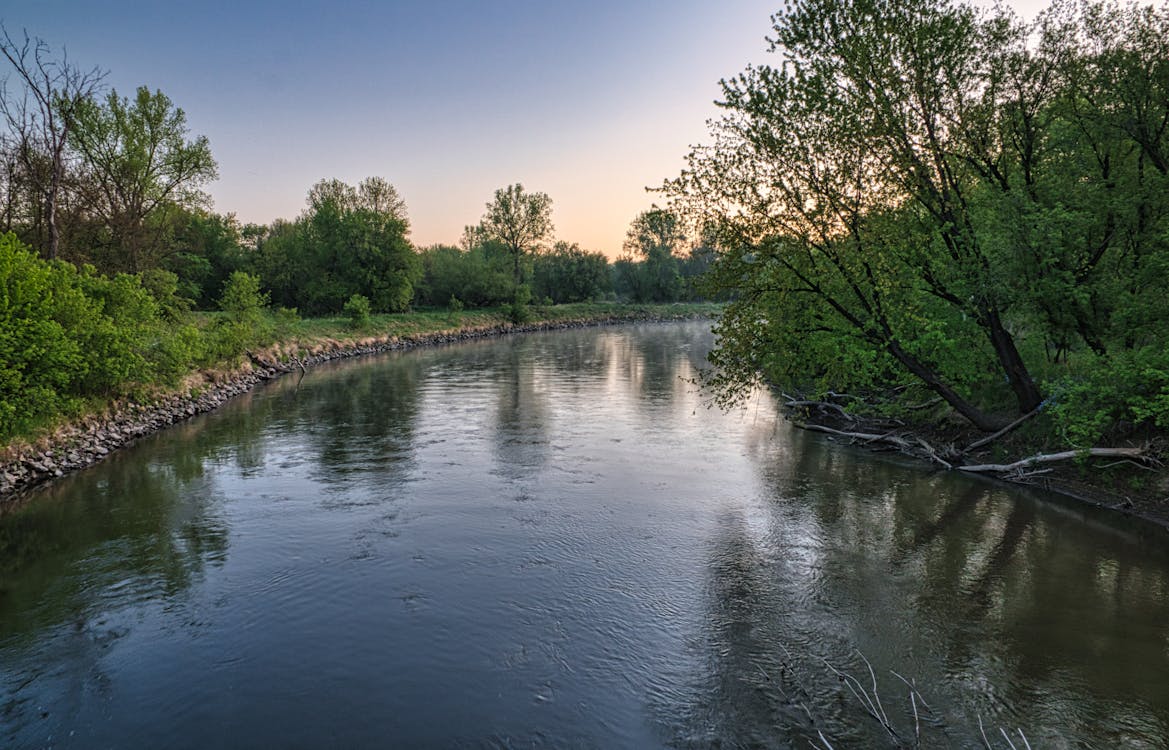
(208, 248)
(566, 273)
(654, 237)
(242, 298)
(924, 189)
(142, 162)
(520, 221)
(478, 276)
(843, 178)
(348, 241)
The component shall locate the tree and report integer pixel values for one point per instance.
(41, 121)
(521, 221)
(842, 177)
(143, 162)
(477, 276)
(348, 241)
(654, 236)
(922, 189)
(566, 273)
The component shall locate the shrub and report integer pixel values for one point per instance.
(242, 299)
(357, 310)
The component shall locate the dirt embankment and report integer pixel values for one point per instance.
(88, 440)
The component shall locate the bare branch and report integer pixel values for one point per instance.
(1045, 458)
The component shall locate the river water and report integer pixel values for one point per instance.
(550, 541)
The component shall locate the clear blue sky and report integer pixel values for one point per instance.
(589, 102)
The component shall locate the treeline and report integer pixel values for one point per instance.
(108, 244)
(926, 203)
(116, 183)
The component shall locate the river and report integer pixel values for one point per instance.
(550, 540)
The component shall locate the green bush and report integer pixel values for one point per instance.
(242, 299)
(357, 309)
(1127, 391)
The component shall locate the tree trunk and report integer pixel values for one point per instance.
(1027, 394)
(51, 218)
(968, 410)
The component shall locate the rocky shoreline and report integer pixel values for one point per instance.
(87, 441)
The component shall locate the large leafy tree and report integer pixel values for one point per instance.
(142, 161)
(520, 221)
(921, 188)
(350, 240)
(841, 172)
(651, 270)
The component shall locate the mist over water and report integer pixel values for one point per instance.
(551, 541)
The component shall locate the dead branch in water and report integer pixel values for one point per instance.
(1047, 458)
(888, 438)
(263, 364)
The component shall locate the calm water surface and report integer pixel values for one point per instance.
(550, 541)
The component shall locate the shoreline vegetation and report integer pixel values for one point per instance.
(85, 438)
(75, 442)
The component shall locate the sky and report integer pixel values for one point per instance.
(589, 102)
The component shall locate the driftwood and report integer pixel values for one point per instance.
(868, 437)
(888, 438)
(950, 457)
(1047, 458)
(260, 362)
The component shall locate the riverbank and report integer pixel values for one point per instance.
(1132, 481)
(83, 441)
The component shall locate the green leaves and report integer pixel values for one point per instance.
(921, 190)
(142, 160)
(348, 241)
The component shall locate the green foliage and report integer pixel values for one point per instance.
(479, 276)
(242, 299)
(520, 221)
(1117, 395)
(139, 154)
(357, 310)
(650, 270)
(566, 273)
(67, 336)
(922, 192)
(208, 248)
(163, 286)
(349, 241)
(41, 362)
(518, 310)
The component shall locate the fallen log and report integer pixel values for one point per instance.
(1047, 458)
(868, 437)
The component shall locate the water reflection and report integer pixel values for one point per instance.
(1020, 599)
(522, 421)
(550, 538)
